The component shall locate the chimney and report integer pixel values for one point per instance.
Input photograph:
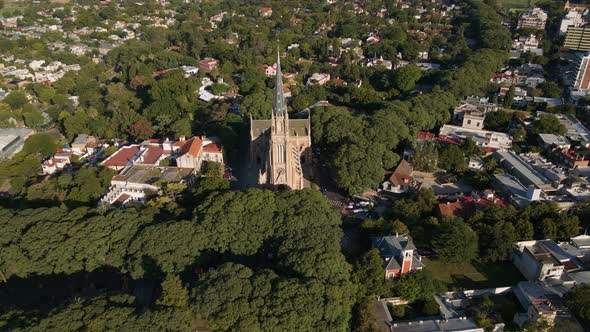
(182, 138)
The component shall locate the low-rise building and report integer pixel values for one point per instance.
(57, 163)
(399, 255)
(486, 139)
(12, 141)
(208, 64)
(534, 18)
(400, 180)
(84, 144)
(136, 183)
(318, 79)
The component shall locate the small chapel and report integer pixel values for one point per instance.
(280, 148)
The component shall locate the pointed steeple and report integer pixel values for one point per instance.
(279, 107)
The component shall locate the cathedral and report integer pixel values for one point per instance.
(280, 148)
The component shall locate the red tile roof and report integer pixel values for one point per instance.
(192, 146)
(212, 147)
(402, 174)
(152, 154)
(122, 156)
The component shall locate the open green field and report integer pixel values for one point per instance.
(473, 275)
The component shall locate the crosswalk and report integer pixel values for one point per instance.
(336, 204)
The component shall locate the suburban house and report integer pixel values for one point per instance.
(208, 64)
(318, 79)
(399, 255)
(400, 180)
(56, 163)
(84, 144)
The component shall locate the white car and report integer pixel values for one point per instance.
(360, 210)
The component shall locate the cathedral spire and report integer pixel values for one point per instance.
(279, 107)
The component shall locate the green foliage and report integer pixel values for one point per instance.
(425, 156)
(550, 89)
(509, 97)
(173, 293)
(16, 99)
(40, 144)
(406, 77)
(456, 242)
(417, 286)
(369, 275)
(452, 159)
(548, 124)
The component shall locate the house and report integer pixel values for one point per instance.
(266, 12)
(190, 70)
(56, 163)
(83, 144)
(270, 71)
(318, 79)
(400, 181)
(208, 64)
(399, 255)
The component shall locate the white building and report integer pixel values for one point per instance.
(482, 138)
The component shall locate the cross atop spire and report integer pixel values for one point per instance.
(279, 106)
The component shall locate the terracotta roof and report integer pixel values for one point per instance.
(192, 146)
(122, 156)
(456, 209)
(212, 147)
(152, 154)
(426, 135)
(402, 174)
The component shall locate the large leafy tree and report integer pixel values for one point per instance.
(456, 242)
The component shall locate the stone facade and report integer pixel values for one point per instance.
(280, 148)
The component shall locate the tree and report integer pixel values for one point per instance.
(42, 144)
(141, 129)
(370, 276)
(406, 77)
(452, 159)
(455, 242)
(16, 99)
(509, 97)
(426, 200)
(548, 124)
(173, 293)
(550, 89)
(419, 285)
(425, 156)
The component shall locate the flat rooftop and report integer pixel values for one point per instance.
(433, 325)
(152, 174)
(521, 166)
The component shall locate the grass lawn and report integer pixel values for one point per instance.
(473, 275)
